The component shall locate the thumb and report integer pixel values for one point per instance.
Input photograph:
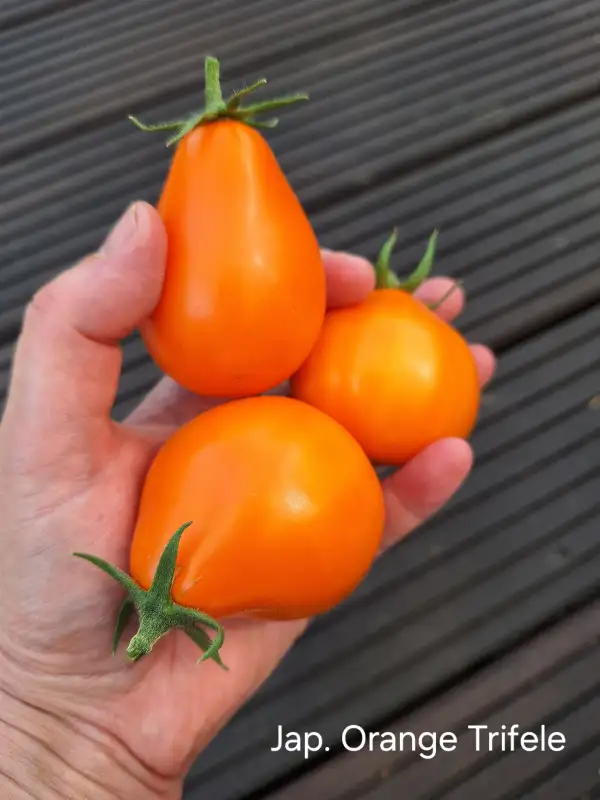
(68, 359)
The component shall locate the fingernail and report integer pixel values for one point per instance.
(124, 233)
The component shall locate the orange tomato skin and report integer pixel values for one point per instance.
(243, 298)
(287, 511)
(393, 374)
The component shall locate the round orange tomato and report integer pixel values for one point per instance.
(243, 298)
(392, 373)
(287, 512)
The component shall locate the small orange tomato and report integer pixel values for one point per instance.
(286, 516)
(391, 372)
(243, 298)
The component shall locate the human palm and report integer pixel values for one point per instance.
(70, 480)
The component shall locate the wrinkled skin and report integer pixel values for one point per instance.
(70, 480)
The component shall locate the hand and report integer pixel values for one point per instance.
(70, 479)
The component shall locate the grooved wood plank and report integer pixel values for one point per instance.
(548, 680)
(481, 120)
(517, 545)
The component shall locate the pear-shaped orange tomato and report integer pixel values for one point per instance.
(244, 292)
(395, 375)
(286, 510)
(285, 515)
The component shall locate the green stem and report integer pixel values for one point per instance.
(157, 613)
(385, 278)
(213, 95)
(236, 97)
(435, 306)
(123, 618)
(217, 108)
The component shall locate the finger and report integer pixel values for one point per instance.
(350, 278)
(67, 362)
(435, 290)
(420, 488)
(485, 361)
(170, 405)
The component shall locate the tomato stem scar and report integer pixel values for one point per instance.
(157, 613)
(216, 108)
(386, 279)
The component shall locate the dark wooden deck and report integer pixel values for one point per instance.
(481, 119)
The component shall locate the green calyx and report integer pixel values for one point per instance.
(157, 613)
(215, 107)
(386, 279)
